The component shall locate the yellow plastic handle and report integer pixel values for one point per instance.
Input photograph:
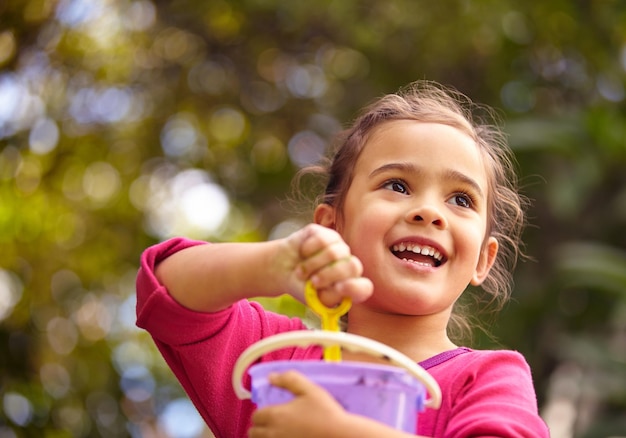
(329, 317)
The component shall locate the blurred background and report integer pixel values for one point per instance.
(123, 123)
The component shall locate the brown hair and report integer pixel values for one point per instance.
(426, 101)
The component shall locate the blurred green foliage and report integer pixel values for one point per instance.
(125, 122)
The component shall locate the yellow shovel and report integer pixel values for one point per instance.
(329, 318)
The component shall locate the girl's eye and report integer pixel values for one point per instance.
(396, 186)
(462, 200)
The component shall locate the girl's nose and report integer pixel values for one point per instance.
(427, 214)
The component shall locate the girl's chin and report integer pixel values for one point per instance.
(408, 302)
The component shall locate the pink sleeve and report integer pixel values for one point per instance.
(153, 299)
(492, 396)
(201, 348)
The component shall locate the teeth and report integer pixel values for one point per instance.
(416, 263)
(424, 250)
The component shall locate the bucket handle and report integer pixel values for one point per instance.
(355, 343)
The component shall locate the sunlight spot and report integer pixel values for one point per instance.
(129, 354)
(610, 87)
(74, 13)
(19, 108)
(137, 383)
(262, 97)
(101, 182)
(62, 335)
(44, 136)
(7, 46)
(93, 318)
(306, 148)
(18, 408)
(55, 379)
(306, 81)
(139, 16)
(126, 316)
(112, 104)
(345, 62)
(227, 124)
(104, 105)
(188, 203)
(103, 407)
(515, 27)
(179, 136)
(10, 292)
(181, 420)
(205, 206)
(269, 154)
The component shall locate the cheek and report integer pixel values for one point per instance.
(471, 242)
(362, 235)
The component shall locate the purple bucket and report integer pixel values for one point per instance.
(384, 393)
(391, 394)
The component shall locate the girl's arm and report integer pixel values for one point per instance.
(209, 278)
(313, 413)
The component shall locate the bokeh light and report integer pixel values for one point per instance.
(179, 136)
(180, 419)
(18, 408)
(227, 125)
(185, 203)
(11, 289)
(55, 379)
(306, 148)
(101, 182)
(137, 383)
(19, 107)
(62, 335)
(44, 136)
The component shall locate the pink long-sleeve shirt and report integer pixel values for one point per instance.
(484, 393)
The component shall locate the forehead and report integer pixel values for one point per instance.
(425, 145)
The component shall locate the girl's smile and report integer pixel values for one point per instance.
(423, 254)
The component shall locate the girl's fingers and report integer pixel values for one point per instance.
(305, 415)
(332, 253)
(359, 289)
(316, 238)
(293, 382)
(336, 271)
(316, 246)
(326, 260)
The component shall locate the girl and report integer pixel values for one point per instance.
(420, 202)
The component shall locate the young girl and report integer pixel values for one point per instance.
(420, 202)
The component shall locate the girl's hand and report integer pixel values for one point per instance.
(319, 254)
(312, 413)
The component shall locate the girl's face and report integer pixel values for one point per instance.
(416, 216)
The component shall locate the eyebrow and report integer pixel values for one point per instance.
(448, 174)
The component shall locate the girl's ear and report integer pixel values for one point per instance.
(326, 216)
(485, 261)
